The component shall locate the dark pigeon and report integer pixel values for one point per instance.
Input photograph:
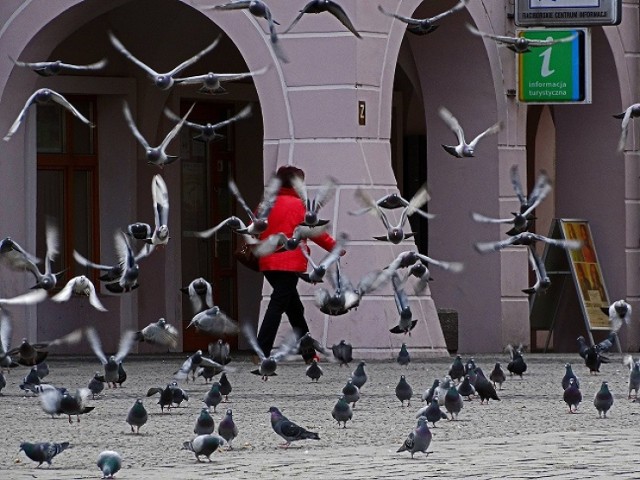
(342, 412)
(404, 391)
(351, 392)
(225, 386)
(288, 430)
(485, 389)
(205, 425)
(430, 392)
(166, 396)
(308, 348)
(453, 402)
(359, 376)
(517, 365)
(497, 375)
(343, 352)
(465, 389)
(314, 372)
(568, 375)
(96, 385)
(43, 452)
(572, 396)
(137, 416)
(213, 397)
(227, 428)
(432, 412)
(603, 400)
(403, 356)
(418, 440)
(457, 370)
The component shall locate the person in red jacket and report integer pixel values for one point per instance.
(281, 268)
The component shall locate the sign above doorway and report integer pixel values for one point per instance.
(567, 13)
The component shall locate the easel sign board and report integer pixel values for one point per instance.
(587, 274)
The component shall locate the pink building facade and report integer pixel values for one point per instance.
(309, 112)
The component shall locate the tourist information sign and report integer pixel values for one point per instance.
(567, 13)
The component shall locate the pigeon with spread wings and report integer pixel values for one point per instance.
(521, 44)
(463, 149)
(423, 26)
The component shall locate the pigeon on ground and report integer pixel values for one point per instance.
(42, 370)
(58, 402)
(30, 380)
(404, 391)
(109, 463)
(456, 370)
(632, 111)
(268, 365)
(319, 270)
(403, 357)
(213, 397)
(342, 412)
(603, 400)
(227, 428)
(194, 362)
(203, 445)
(225, 386)
(619, 312)
(568, 375)
(3, 382)
(166, 396)
(634, 374)
(521, 44)
(211, 83)
(159, 333)
(466, 389)
(220, 352)
(155, 155)
(288, 430)
(320, 6)
(526, 238)
(484, 388)
(406, 322)
(96, 385)
(418, 440)
(424, 26)
(359, 376)
(43, 452)
(79, 285)
(463, 149)
(137, 416)
(313, 205)
(214, 322)
(351, 392)
(259, 219)
(44, 96)
(29, 354)
(432, 412)
(592, 357)
(453, 402)
(205, 425)
(200, 293)
(497, 375)
(430, 392)
(572, 396)
(164, 81)
(258, 9)
(517, 365)
(343, 352)
(207, 373)
(442, 389)
(49, 69)
(313, 371)
(112, 363)
(178, 395)
(308, 347)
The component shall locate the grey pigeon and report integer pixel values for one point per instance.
(42, 369)
(166, 396)
(418, 440)
(351, 392)
(443, 388)
(96, 385)
(111, 364)
(526, 238)
(608, 343)
(259, 218)
(313, 205)
(632, 111)
(203, 445)
(227, 428)
(232, 222)
(603, 400)
(313, 371)
(343, 352)
(288, 430)
(485, 389)
(342, 412)
(345, 296)
(456, 370)
(213, 397)
(319, 270)
(453, 402)
(572, 396)
(424, 26)
(320, 6)
(137, 416)
(159, 333)
(463, 149)
(542, 279)
(268, 365)
(619, 313)
(417, 266)
(163, 81)
(404, 391)
(48, 279)
(406, 322)
(200, 294)
(65, 403)
(220, 352)
(205, 424)
(109, 463)
(178, 395)
(359, 376)
(44, 96)
(403, 357)
(225, 386)
(82, 286)
(29, 354)
(155, 155)
(14, 256)
(430, 392)
(432, 412)
(497, 375)
(634, 374)
(391, 201)
(43, 452)
(194, 362)
(568, 375)
(279, 242)
(214, 322)
(465, 389)
(211, 83)
(520, 44)
(49, 69)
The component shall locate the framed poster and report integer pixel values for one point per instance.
(587, 274)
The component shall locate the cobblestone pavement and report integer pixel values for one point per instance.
(529, 434)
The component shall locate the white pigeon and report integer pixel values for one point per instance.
(79, 285)
(463, 149)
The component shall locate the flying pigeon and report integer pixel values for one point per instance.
(166, 396)
(29, 298)
(572, 396)
(48, 279)
(233, 223)
(109, 463)
(43, 452)
(320, 6)
(268, 365)
(227, 428)
(203, 445)
(111, 364)
(29, 355)
(418, 440)
(313, 205)
(49, 69)
(164, 81)
(211, 83)
(258, 219)
(632, 111)
(53, 400)
(205, 425)
(207, 132)
(137, 416)
(44, 96)
(406, 322)
(342, 412)
(619, 312)
(603, 400)
(200, 294)
(308, 347)
(425, 25)
(220, 352)
(214, 322)
(158, 333)
(258, 9)
(192, 363)
(288, 430)
(463, 149)
(521, 44)
(155, 155)
(542, 279)
(79, 285)
(526, 238)
(14, 256)
(343, 352)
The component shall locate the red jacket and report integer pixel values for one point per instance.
(287, 213)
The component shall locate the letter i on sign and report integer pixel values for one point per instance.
(545, 69)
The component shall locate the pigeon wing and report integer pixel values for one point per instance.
(59, 99)
(96, 345)
(132, 126)
(160, 196)
(121, 48)
(195, 58)
(174, 131)
(16, 124)
(253, 341)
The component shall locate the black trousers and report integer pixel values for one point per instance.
(284, 299)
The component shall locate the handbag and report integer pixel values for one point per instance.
(244, 255)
